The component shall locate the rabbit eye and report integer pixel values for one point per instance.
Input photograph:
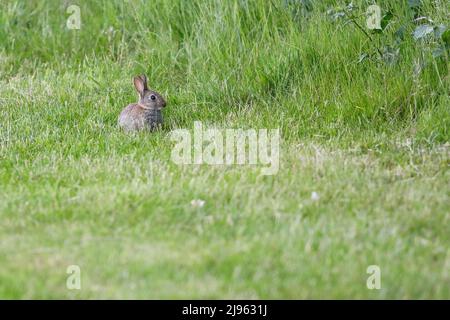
(152, 97)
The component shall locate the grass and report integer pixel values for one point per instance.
(370, 138)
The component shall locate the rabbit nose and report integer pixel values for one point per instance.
(164, 103)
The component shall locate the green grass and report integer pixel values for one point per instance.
(371, 138)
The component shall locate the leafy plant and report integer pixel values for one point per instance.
(351, 14)
(436, 37)
(422, 31)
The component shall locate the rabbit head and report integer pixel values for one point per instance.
(148, 99)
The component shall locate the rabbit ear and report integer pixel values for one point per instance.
(140, 84)
(144, 78)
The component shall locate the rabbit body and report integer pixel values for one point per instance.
(146, 114)
(135, 118)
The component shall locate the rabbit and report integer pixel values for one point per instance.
(146, 113)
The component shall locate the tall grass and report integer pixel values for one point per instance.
(232, 54)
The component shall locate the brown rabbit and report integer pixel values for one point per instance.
(146, 114)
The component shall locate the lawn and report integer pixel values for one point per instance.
(364, 155)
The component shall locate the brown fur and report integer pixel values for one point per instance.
(146, 114)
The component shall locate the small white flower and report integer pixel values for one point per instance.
(197, 203)
(315, 196)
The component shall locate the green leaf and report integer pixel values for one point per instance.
(336, 15)
(385, 20)
(439, 52)
(439, 30)
(351, 6)
(414, 4)
(422, 31)
(400, 33)
(446, 38)
(390, 55)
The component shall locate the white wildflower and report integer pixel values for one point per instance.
(315, 196)
(197, 203)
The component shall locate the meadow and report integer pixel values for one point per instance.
(363, 176)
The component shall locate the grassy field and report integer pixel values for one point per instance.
(364, 122)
